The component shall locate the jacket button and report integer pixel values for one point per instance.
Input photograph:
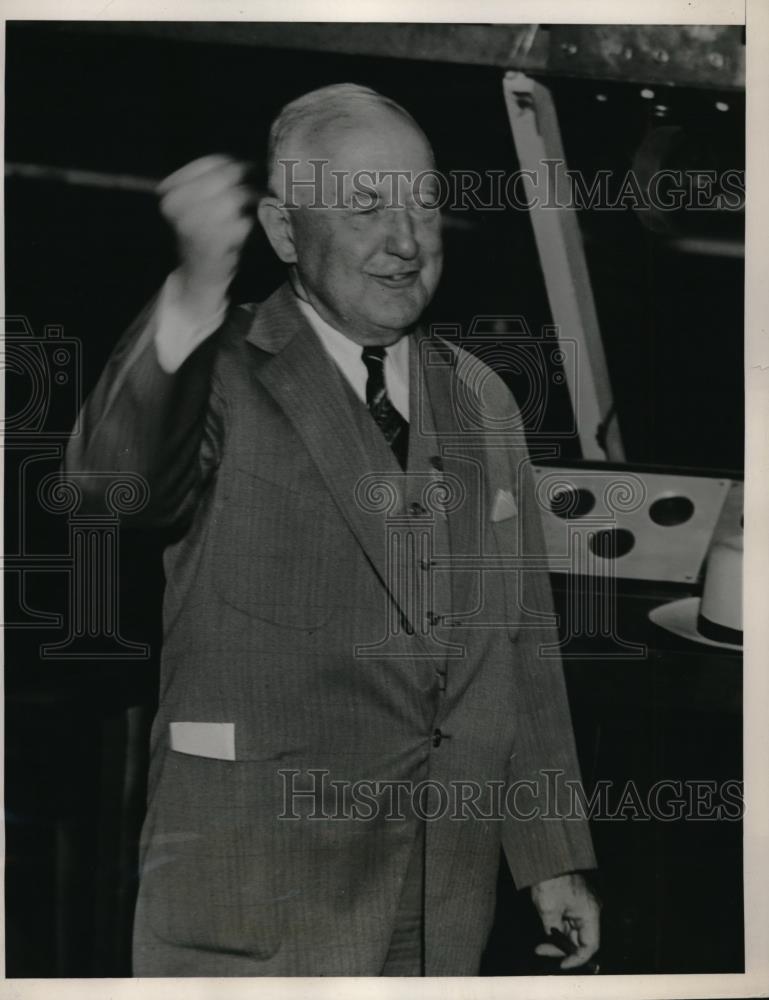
(416, 509)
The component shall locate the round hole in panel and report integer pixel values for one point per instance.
(671, 510)
(612, 543)
(572, 502)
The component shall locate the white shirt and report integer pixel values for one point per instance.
(178, 334)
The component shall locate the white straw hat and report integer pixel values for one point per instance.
(715, 619)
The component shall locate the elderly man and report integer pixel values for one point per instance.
(355, 672)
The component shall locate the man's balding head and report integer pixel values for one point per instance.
(301, 129)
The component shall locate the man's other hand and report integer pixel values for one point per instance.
(207, 204)
(567, 903)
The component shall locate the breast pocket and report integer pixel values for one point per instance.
(275, 549)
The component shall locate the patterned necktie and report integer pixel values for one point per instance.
(386, 417)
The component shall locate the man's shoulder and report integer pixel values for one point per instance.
(238, 324)
(479, 379)
(269, 324)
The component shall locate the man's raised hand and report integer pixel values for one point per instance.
(207, 204)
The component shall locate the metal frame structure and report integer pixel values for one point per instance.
(537, 139)
(684, 55)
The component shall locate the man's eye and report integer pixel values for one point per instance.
(428, 211)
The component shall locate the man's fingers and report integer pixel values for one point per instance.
(218, 212)
(588, 930)
(580, 956)
(210, 177)
(224, 187)
(194, 171)
(585, 937)
(549, 951)
(186, 214)
(575, 941)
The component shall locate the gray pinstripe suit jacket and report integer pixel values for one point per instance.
(295, 641)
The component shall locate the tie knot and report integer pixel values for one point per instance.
(370, 354)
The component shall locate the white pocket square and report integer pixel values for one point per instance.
(504, 506)
(204, 739)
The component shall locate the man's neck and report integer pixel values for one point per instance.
(318, 312)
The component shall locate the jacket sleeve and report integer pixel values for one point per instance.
(166, 428)
(549, 837)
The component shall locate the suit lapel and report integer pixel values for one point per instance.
(306, 384)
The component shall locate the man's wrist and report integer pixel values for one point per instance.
(184, 322)
(198, 300)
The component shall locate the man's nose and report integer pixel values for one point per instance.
(401, 238)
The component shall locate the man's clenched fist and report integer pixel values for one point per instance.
(207, 202)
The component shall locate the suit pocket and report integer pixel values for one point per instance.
(275, 548)
(208, 858)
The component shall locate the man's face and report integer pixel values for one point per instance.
(369, 261)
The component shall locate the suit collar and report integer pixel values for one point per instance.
(277, 321)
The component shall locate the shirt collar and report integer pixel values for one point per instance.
(340, 347)
(347, 355)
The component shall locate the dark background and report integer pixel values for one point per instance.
(86, 260)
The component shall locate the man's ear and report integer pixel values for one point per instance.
(277, 224)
